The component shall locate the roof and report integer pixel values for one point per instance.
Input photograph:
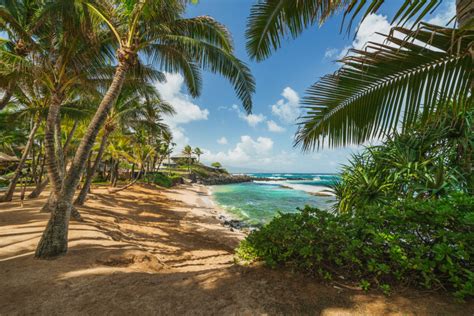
(182, 157)
(7, 158)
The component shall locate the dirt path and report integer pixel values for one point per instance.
(146, 251)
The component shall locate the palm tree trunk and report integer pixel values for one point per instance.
(11, 187)
(52, 164)
(53, 242)
(81, 198)
(44, 183)
(6, 96)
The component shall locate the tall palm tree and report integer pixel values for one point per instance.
(198, 152)
(188, 152)
(157, 30)
(365, 97)
(20, 25)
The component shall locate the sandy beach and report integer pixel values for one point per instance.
(148, 250)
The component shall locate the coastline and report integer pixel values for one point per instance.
(149, 250)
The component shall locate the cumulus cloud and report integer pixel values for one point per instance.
(368, 29)
(377, 23)
(445, 14)
(186, 110)
(287, 109)
(251, 119)
(274, 127)
(245, 151)
(331, 53)
(222, 141)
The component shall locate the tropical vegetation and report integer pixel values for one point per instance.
(100, 59)
(403, 211)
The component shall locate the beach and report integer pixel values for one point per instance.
(149, 250)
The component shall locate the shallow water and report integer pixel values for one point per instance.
(257, 203)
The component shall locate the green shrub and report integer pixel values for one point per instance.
(164, 180)
(426, 243)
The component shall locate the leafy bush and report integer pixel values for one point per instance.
(164, 180)
(427, 243)
(430, 160)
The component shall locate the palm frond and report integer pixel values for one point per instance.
(366, 96)
(272, 20)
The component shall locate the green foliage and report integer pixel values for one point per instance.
(216, 165)
(428, 243)
(365, 97)
(431, 160)
(164, 180)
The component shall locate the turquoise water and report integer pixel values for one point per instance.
(258, 203)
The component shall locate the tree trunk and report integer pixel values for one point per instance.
(54, 240)
(128, 185)
(11, 187)
(81, 198)
(52, 164)
(7, 96)
(42, 184)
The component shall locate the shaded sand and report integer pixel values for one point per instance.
(148, 251)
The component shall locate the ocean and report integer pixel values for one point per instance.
(256, 203)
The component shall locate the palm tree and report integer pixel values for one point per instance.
(377, 80)
(156, 29)
(31, 108)
(188, 152)
(18, 22)
(198, 152)
(128, 112)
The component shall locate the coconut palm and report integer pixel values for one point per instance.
(20, 25)
(188, 152)
(365, 97)
(128, 112)
(198, 152)
(156, 29)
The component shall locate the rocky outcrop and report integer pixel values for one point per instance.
(224, 179)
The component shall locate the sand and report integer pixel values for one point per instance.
(148, 251)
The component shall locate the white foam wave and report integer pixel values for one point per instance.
(298, 186)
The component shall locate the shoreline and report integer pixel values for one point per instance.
(226, 218)
(150, 250)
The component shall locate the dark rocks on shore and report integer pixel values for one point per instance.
(225, 179)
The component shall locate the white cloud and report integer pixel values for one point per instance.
(331, 53)
(377, 23)
(222, 141)
(368, 29)
(252, 119)
(245, 151)
(287, 109)
(274, 127)
(445, 14)
(186, 110)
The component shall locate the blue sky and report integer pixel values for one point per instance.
(216, 123)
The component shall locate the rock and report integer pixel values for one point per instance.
(225, 179)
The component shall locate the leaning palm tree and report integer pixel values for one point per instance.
(365, 97)
(125, 115)
(157, 30)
